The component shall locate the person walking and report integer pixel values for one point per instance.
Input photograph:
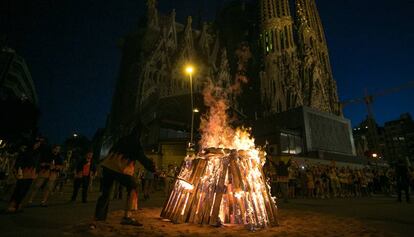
(43, 172)
(25, 170)
(83, 172)
(119, 165)
(54, 165)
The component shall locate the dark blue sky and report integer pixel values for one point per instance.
(71, 49)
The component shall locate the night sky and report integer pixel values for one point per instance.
(71, 49)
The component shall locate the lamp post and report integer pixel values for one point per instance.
(189, 69)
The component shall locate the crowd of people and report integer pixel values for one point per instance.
(38, 169)
(305, 180)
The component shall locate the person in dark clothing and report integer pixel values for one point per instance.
(282, 172)
(43, 173)
(83, 171)
(50, 167)
(119, 166)
(25, 170)
(402, 176)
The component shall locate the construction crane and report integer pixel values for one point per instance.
(368, 99)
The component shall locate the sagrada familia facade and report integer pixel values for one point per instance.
(286, 64)
(297, 70)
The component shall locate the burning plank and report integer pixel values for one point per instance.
(222, 187)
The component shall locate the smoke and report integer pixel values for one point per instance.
(219, 95)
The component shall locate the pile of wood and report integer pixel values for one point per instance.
(221, 186)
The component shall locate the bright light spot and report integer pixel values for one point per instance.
(186, 185)
(374, 155)
(189, 69)
(195, 110)
(75, 135)
(302, 167)
(238, 194)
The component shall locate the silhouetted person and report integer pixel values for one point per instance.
(282, 172)
(83, 171)
(119, 166)
(25, 171)
(403, 178)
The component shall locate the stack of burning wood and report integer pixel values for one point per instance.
(222, 186)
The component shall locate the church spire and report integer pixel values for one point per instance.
(279, 80)
(319, 88)
(152, 14)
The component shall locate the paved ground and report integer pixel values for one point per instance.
(381, 214)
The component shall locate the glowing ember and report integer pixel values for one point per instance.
(186, 185)
(238, 194)
(225, 186)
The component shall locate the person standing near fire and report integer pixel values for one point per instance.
(169, 179)
(282, 172)
(119, 165)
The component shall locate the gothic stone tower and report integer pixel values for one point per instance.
(280, 85)
(296, 68)
(318, 86)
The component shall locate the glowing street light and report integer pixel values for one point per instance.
(374, 155)
(189, 69)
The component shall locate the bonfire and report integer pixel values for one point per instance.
(222, 186)
(224, 183)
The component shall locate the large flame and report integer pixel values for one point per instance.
(215, 125)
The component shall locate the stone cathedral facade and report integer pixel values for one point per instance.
(152, 85)
(288, 68)
(297, 70)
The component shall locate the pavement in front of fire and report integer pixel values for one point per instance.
(376, 216)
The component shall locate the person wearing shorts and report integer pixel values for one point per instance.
(119, 166)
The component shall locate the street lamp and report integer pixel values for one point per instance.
(189, 69)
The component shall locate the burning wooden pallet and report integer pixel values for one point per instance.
(222, 186)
